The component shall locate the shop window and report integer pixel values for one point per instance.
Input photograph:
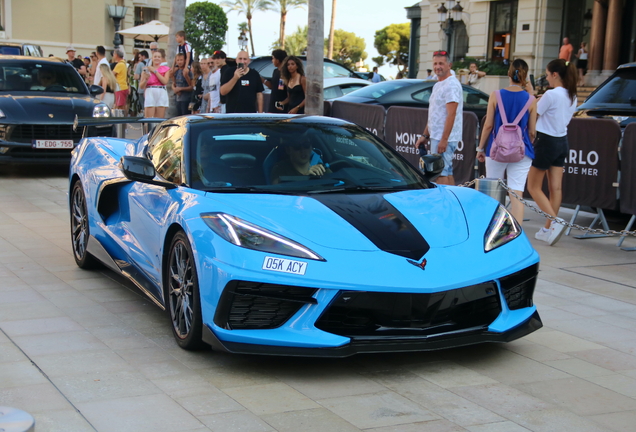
(501, 30)
(142, 16)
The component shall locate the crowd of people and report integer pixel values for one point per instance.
(209, 85)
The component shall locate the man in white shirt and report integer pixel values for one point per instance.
(445, 112)
(101, 59)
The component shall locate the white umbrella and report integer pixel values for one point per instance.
(154, 31)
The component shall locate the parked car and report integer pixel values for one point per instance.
(26, 49)
(614, 98)
(39, 100)
(210, 219)
(331, 69)
(413, 93)
(369, 76)
(334, 88)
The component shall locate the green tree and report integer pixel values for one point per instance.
(347, 48)
(284, 6)
(296, 43)
(392, 42)
(247, 8)
(205, 27)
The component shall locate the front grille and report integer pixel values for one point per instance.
(372, 314)
(252, 305)
(26, 133)
(518, 287)
(29, 152)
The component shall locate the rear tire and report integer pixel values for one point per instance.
(181, 293)
(80, 229)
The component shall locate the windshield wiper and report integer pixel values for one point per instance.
(359, 188)
(246, 189)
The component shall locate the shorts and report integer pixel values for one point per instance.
(447, 156)
(120, 97)
(581, 64)
(550, 151)
(156, 97)
(516, 172)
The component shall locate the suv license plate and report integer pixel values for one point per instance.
(53, 144)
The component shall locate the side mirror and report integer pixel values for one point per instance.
(431, 165)
(142, 170)
(95, 90)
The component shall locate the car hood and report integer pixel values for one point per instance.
(45, 109)
(357, 221)
(358, 99)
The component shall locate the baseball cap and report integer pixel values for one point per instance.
(219, 55)
(70, 48)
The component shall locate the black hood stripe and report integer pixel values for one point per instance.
(378, 221)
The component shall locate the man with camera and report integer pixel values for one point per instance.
(243, 87)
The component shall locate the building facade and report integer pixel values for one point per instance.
(54, 25)
(504, 30)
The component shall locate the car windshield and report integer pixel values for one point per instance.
(380, 89)
(620, 89)
(330, 70)
(39, 77)
(278, 157)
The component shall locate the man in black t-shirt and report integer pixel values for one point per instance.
(243, 87)
(77, 63)
(276, 84)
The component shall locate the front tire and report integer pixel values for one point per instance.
(80, 229)
(182, 298)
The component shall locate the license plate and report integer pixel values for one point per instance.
(53, 144)
(284, 265)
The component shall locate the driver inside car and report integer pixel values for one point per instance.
(46, 78)
(298, 163)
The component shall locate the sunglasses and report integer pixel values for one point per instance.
(440, 53)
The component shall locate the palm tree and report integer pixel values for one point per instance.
(331, 29)
(315, 55)
(247, 8)
(284, 6)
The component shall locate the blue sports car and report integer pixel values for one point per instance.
(299, 235)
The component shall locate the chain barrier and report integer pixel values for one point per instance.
(552, 218)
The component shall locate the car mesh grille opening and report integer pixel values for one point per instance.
(372, 314)
(518, 287)
(252, 305)
(25, 133)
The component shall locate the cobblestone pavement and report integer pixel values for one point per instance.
(82, 352)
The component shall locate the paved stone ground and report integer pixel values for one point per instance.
(81, 352)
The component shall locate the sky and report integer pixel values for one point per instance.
(362, 17)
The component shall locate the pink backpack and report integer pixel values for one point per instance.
(508, 145)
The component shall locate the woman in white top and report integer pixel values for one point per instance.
(555, 110)
(581, 63)
(109, 83)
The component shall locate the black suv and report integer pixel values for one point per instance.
(615, 98)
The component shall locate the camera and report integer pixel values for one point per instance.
(241, 65)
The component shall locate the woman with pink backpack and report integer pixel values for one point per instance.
(508, 133)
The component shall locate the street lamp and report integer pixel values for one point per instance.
(117, 13)
(242, 41)
(448, 15)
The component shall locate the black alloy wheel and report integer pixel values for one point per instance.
(182, 294)
(80, 231)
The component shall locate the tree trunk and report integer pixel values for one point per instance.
(332, 29)
(177, 21)
(283, 21)
(315, 58)
(249, 29)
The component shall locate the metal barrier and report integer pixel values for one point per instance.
(628, 179)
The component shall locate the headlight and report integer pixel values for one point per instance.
(502, 229)
(101, 110)
(250, 236)
(2, 114)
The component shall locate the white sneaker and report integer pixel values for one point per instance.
(542, 235)
(556, 231)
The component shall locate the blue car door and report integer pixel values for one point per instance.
(150, 205)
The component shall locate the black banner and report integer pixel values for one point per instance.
(403, 128)
(370, 117)
(628, 170)
(591, 168)
(465, 155)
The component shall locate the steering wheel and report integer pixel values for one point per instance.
(336, 163)
(56, 88)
